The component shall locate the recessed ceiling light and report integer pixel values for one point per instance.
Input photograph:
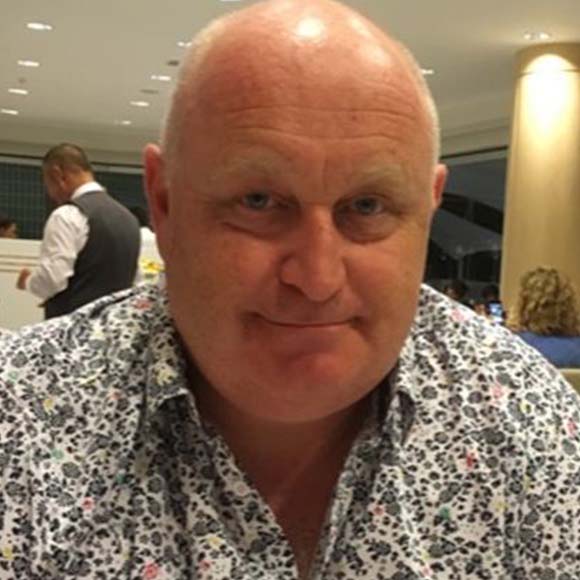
(18, 91)
(427, 72)
(183, 44)
(29, 63)
(162, 78)
(150, 91)
(537, 35)
(124, 122)
(140, 103)
(9, 112)
(38, 26)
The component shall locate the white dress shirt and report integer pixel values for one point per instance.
(65, 235)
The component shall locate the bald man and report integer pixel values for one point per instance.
(294, 404)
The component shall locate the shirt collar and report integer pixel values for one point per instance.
(406, 374)
(85, 188)
(402, 398)
(166, 362)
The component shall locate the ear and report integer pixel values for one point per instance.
(67, 181)
(53, 178)
(439, 184)
(57, 175)
(157, 194)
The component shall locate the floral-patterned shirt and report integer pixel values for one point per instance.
(107, 472)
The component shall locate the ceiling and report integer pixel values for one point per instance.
(101, 55)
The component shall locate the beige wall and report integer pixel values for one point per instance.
(116, 147)
(542, 212)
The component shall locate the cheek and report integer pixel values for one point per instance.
(220, 270)
(388, 279)
(395, 263)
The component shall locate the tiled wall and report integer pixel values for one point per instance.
(124, 187)
(22, 195)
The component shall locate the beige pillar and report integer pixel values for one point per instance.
(542, 211)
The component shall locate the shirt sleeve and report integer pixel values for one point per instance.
(65, 235)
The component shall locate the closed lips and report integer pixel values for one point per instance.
(307, 325)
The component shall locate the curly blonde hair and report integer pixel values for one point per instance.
(547, 304)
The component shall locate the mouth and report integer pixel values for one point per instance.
(305, 324)
(303, 337)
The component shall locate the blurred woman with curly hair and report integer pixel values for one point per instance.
(547, 316)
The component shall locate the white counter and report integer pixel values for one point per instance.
(18, 308)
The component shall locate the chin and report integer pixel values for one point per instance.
(297, 371)
(309, 388)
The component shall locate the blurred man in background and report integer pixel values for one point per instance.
(91, 242)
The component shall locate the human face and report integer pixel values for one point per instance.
(294, 248)
(10, 231)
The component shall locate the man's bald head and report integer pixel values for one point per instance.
(65, 167)
(67, 156)
(282, 51)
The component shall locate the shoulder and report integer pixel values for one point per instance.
(449, 331)
(487, 377)
(495, 432)
(74, 359)
(66, 213)
(78, 380)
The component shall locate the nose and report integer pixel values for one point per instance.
(313, 261)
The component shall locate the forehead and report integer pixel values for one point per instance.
(323, 145)
(341, 112)
(334, 95)
(323, 81)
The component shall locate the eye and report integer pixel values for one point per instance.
(367, 217)
(257, 201)
(367, 205)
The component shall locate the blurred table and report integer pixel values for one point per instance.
(17, 308)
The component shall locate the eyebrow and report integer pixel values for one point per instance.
(380, 171)
(264, 164)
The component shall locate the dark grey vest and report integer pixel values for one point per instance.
(108, 261)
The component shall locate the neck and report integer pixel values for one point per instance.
(294, 466)
(78, 179)
(277, 454)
